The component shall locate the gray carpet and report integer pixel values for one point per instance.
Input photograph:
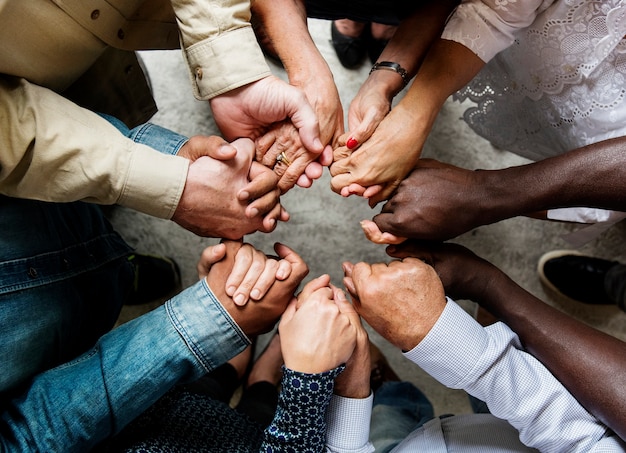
(324, 227)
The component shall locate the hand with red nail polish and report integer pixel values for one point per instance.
(352, 143)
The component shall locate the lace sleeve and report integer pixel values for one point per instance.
(488, 26)
(300, 421)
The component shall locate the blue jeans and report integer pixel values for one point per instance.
(64, 276)
(57, 265)
(399, 408)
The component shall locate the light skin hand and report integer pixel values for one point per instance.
(373, 233)
(321, 92)
(354, 382)
(396, 145)
(252, 275)
(247, 111)
(260, 194)
(368, 108)
(315, 335)
(229, 198)
(385, 159)
(305, 166)
(257, 316)
(401, 300)
(278, 24)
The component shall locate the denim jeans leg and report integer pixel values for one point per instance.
(63, 278)
(399, 408)
(156, 137)
(615, 285)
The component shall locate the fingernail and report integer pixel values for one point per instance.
(231, 290)
(244, 195)
(239, 299)
(352, 143)
(255, 294)
(226, 149)
(254, 212)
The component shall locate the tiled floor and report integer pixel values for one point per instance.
(324, 227)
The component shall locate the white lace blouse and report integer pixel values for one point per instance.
(555, 73)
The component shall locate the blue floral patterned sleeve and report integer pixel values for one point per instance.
(299, 425)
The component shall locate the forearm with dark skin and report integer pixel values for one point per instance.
(592, 176)
(589, 363)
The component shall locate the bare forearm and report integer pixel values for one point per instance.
(592, 176)
(285, 23)
(416, 34)
(447, 67)
(589, 363)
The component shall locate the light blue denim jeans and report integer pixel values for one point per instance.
(64, 276)
(157, 137)
(63, 279)
(399, 408)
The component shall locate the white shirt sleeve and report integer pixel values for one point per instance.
(490, 364)
(488, 26)
(348, 423)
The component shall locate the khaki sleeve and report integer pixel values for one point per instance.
(219, 45)
(53, 150)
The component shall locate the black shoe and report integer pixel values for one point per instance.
(375, 47)
(573, 276)
(156, 279)
(350, 51)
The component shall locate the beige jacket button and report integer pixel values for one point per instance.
(199, 73)
(95, 14)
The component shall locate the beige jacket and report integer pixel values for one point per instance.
(54, 150)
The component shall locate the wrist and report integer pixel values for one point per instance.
(389, 82)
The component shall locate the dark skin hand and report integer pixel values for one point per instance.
(439, 201)
(588, 362)
(257, 316)
(432, 195)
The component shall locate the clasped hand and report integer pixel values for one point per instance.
(280, 119)
(226, 193)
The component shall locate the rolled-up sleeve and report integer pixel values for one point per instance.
(219, 45)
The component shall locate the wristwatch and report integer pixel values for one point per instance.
(391, 66)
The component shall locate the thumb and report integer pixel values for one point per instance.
(211, 146)
(245, 153)
(209, 257)
(375, 235)
(289, 312)
(342, 302)
(361, 132)
(304, 119)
